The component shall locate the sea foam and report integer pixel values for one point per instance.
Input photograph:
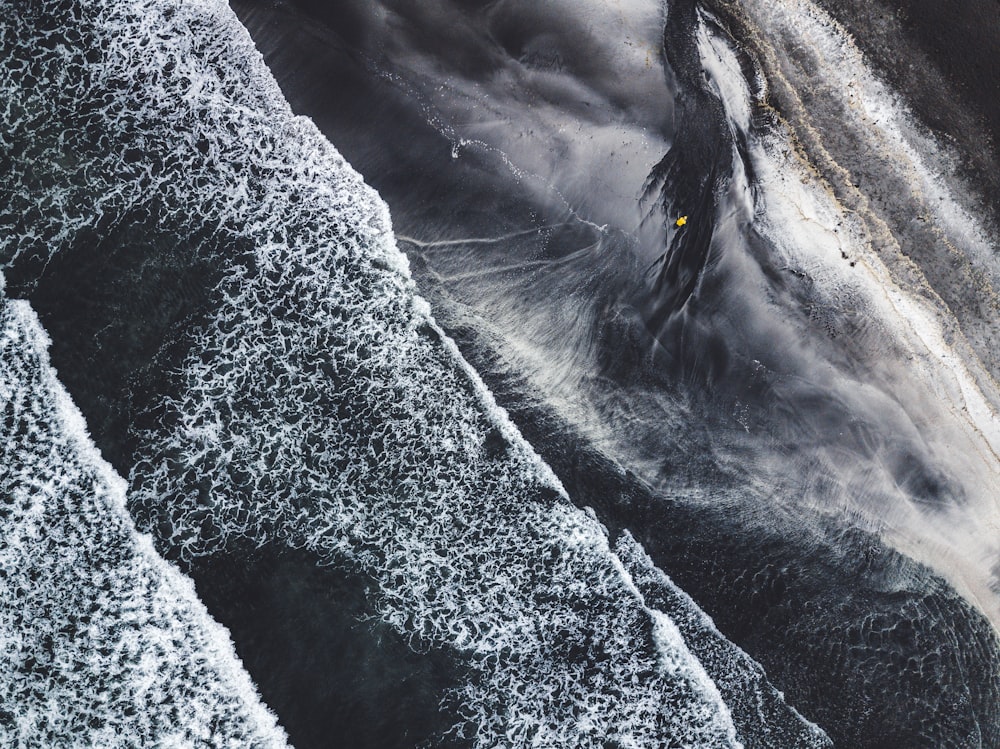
(102, 643)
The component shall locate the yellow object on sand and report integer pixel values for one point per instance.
(682, 220)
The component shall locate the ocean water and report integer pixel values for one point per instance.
(479, 445)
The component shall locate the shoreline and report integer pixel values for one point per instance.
(945, 62)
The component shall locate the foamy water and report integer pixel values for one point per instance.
(102, 643)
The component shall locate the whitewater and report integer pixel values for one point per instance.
(103, 642)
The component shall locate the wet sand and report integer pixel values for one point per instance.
(945, 59)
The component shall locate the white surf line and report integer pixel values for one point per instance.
(494, 269)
